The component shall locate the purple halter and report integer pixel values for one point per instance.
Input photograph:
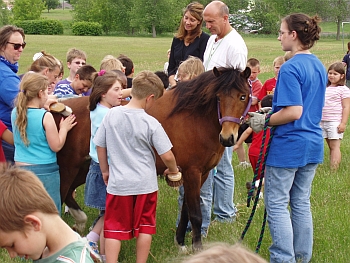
(234, 119)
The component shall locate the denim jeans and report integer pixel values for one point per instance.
(291, 232)
(205, 216)
(219, 189)
(95, 187)
(9, 151)
(49, 175)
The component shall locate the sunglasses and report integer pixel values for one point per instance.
(16, 46)
(78, 63)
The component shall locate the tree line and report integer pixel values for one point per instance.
(159, 16)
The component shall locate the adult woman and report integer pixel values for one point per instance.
(189, 39)
(11, 47)
(297, 144)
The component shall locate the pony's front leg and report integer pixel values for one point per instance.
(182, 227)
(195, 215)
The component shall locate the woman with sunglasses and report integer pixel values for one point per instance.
(11, 47)
(189, 39)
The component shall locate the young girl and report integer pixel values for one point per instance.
(190, 68)
(106, 93)
(35, 133)
(335, 112)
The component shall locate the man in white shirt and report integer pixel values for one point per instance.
(225, 48)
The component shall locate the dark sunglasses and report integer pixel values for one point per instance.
(16, 46)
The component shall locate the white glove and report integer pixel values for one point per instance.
(256, 121)
(265, 109)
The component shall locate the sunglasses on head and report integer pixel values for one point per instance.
(16, 46)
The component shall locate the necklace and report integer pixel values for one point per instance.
(214, 46)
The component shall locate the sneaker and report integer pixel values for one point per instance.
(94, 253)
(243, 165)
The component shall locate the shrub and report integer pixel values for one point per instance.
(41, 27)
(86, 29)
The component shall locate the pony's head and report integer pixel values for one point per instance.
(222, 92)
(232, 103)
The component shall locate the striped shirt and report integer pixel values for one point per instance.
(333, 108)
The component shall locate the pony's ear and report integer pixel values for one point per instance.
(216, 72)
(246, 73)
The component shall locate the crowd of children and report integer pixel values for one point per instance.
(126, 204)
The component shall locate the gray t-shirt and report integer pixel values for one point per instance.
(129, 135)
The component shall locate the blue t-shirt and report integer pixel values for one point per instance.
(346, 60)
(301, 82)
(9, 88)
(96, 117)
(38, 151)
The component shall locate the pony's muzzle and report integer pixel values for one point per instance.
(227, 142)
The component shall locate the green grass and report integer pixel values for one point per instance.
(58, 14)
(330, 197)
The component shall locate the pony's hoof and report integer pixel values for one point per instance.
(183, 250)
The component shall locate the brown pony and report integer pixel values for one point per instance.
(191, 116)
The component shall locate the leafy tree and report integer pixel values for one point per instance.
(4, 14)
(51, 4)
(337, 11)
(27, 9)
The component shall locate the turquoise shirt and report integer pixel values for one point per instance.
(38, 151)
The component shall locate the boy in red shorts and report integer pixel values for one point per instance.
(128, 135)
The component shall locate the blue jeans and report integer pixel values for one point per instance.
(219, 189)
(291, 232)
(9, 151)
(49, 175)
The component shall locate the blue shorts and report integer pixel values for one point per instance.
(95, 188)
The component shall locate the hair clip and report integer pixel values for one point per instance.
(102, 72)
(37, 56)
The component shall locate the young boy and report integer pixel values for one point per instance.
(129, 135)
(254, 66)
(81, 83)
(75, 59)
(270, 84)
(254, 149)
(30, 225)
(129, 68)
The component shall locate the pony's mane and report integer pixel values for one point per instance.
(199, 94)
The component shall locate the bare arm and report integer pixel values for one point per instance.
(286, 115)
(169, 160)
(172, 80)
(126, 93)
(55, 138)
(103, 160)
(345, 115)
(7, 136)
(243, 137)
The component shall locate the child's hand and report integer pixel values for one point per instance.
(51, 99)
(105, 177)
(235, 147)
(341, 127)
(68, 123)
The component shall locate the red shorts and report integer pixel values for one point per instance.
(127, 216)
(254, 161)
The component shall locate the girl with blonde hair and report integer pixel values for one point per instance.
(36, 136)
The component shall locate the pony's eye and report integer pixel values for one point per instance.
(243, 97)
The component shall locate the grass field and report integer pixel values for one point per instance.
(330, 197)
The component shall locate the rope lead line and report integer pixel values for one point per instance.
(251, 191)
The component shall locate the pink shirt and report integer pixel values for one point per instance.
(333, 110)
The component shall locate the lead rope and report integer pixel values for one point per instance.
(251, 190)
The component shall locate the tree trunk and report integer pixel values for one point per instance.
(154, 33)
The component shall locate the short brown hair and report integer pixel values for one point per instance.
(147, 83)
(22, 193)
(253, 62)
(223, 253)
(75, 53)
(110, 62)
(85, 72)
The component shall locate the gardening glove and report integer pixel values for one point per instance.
(256, 121)
(265, 110)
